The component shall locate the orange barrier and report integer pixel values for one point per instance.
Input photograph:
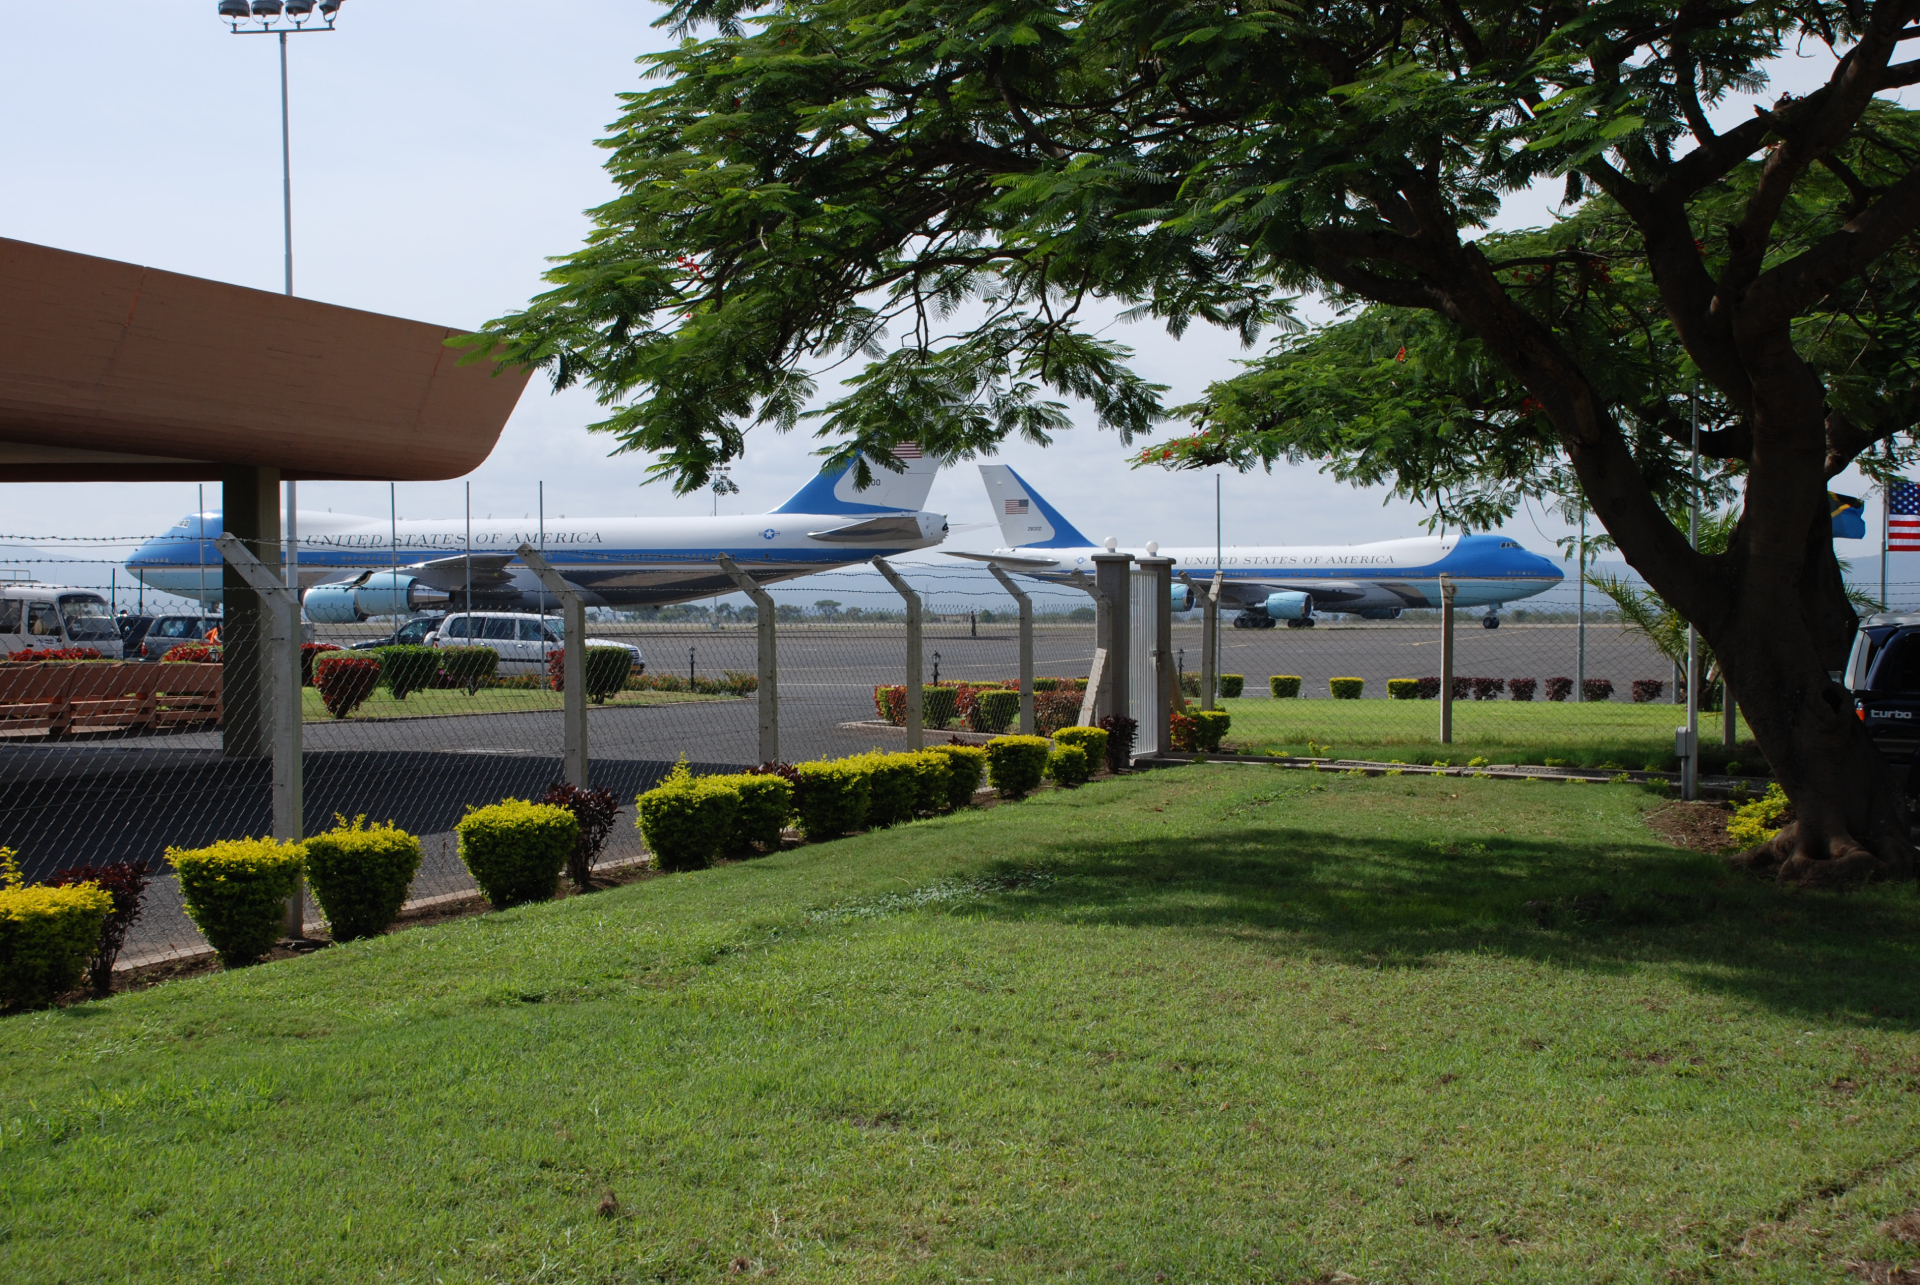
(52, 698)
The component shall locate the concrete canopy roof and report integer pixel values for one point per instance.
(111, 372)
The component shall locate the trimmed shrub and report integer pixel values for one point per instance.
(932, 778)
(1121, 732)
(236, 892)
(1056, 709)
(607, 670)
(1190, 685)
(1403, 689)
(308, 651)
(345, 680)
(47, 934)
(515, 849)
(1231, 685)
(595, 810)
(1060, 685)
(893, 790)
(1345, 689)
(1091, 739)
(996, 711)
(1558, 689)
(832, 799)
(468, 667)
(195, 653)
(1522, 689)
(1016, 764)
(1596, 689)
(938, 704)
(1756, 822)
(1647, 690)
(360, 875)
(1067, 766)
(1284, 686)
(1212, 728)
(688, 820)
(405, 669)
(765, 803)
(1485, 689)
(124, 881)
(1462, 688)
(966, 765)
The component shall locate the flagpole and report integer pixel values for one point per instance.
(1886, 507)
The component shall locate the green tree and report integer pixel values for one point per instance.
(934, 191)
(827, 607)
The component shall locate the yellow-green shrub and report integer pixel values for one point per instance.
(1284, 686)
(1346, 689)
(1406, 689)
(236, 893)
(687, 820)
(1231, 685)
(765, 803)
(360, 875)
(1091, 739)
(1067, 766)
(515, 849)
(893, 790)
(46, 936)
(1015, 764)
(1756, 822)
(966, 765)
(833, 797)
(932, 779)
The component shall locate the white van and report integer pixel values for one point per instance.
(521, 638)
(44, 616)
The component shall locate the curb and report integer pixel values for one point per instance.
(1716, 786)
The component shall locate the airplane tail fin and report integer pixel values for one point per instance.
(1026, 520)
(834, 490)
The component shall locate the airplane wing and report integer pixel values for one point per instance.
(489, 571)
(1012, 562)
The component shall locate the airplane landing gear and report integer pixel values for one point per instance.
(1252, 620)
(1489, 622)
(1305, 622)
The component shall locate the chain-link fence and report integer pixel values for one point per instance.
(104, 761)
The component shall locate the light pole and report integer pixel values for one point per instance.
(281, 18)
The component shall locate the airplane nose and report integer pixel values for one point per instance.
(1549, 569)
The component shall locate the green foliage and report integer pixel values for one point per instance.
(1231, 685)
(360, 875)
(345, 680)
(1091, 739)
(1403, 689)
(515, 849)
(47, 935)
(833, 798)
(1756, 822)
(765, 803)
(932, 781)
(236, 891)
(997, 710)
(893, 788)
(966, 767)
(1016, 764)
(406, 669)
(1283, 686)
(688, 820)
(468, 667)
(608, 669)
(1345, 689)
(1067, 766)
(938, 705)
(1210, 728)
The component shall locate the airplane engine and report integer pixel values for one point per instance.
(1182, 598)
(1289, 605)
(385, 593)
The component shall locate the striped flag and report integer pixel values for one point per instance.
(1903, 517)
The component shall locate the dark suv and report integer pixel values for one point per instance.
(1884, 675)
(410, 634)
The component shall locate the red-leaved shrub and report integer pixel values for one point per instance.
(126, 883)
(1647, 690)
(1522, 689)
(1558, 689)
(345, 680)
(307, 652)
(192, 654)
(27, 655)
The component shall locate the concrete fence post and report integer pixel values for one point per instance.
(573, 663)
(1113, 580)
(1160, 713)
(769, 669)
(284, 702)
(916, 732)
(1027, 723)
(1447, 591)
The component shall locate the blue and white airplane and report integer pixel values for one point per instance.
(354, 567)
(1269, 583)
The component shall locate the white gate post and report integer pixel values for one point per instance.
(573, 664)
(1027, 723)
(1447, 591)
(769, 670)
(916, 732)
(284, 705)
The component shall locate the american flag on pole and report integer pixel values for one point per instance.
(1903, 517)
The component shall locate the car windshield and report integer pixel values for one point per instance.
(87, 618)
(557, 625)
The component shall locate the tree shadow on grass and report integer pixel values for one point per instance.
(1385, 902)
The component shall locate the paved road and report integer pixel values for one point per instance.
(118, 797)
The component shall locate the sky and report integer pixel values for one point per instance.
(441, 153)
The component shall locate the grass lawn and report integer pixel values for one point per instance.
(1614, 734)
(1221, 1023)
(443, 703)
